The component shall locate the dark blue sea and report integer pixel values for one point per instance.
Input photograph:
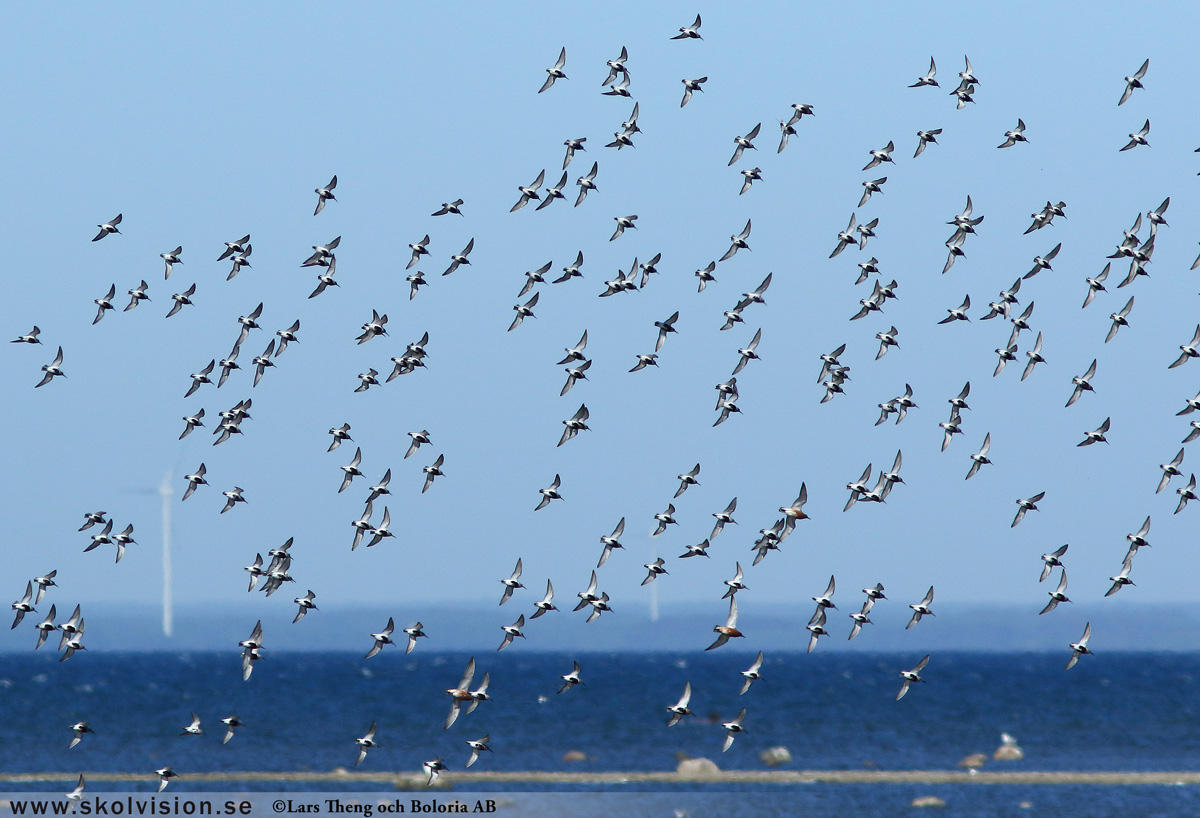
(302, 711)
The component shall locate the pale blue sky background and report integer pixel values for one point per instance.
(203, 125)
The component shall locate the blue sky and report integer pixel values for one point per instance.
(203, 126)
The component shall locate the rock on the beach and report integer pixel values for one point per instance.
(697, 768)
(774, 756)
(973, 760)
(1008, 752)
(928, 801)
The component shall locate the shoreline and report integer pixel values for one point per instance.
(404, 780)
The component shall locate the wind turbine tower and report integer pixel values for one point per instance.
(168, 614)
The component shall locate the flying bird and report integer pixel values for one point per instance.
(77, 793)
(1133, 82)
(1082, 383)
(621, 89)
(795, 512)
(572, 146)
(1051, 561)
(528, 193)
(911, 676)
(382, 638)
(738, 242)
(1139, 138)
(645, 361)
(1156, 215)
(306, 604)
(23, 605)
(687, 480)
(194, 480)
(748, 353)
(691, 32)
(729, 629)
(232, 498)
(1080, 648)
(882, 155)
(664, 328)
(571, 679)
(450, 207)
(231, 724)
(45, 582)
(655, 568)
(414, 633)
(512, 631)
(381, 532)
(689, 86)
(574, 424)
(1027, 505)
(365, 743)
(137, 295)
(351, 470)
(1043, 262)
(432, 471)
(108, 228)
(554, 192)
(870, 187)
(79, 728)
(968, 74)
(958, 313)
(556, 72)
(1119, 320)
(550, 493)
(459, 259)
(680, 708)
(586, 183)
(193, 729)
(622, 223)
(928, 79)
(732, 728)
(921, 608)
(52, 369)
(861, 618)
(664, 519)
(1058, 594)
(1189, 350)
(1014, 136)
(1096, 435)
(744, 142)
(573, 375)
(477, 746)
(980, 458)
(816, 628)
(512, 582)
(1169, 470)
(546, 603)
(104, 303)
(1035, 357)
(1186, 493)
(29, 338)
(524, 311)
(752, 674)
(925, 138)
(617, 66)
(325, 194)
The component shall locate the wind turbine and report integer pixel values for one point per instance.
(165, 492)
(168, 611)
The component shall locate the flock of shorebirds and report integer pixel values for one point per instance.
(270, 576)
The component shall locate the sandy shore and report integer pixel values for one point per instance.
(515, 779)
